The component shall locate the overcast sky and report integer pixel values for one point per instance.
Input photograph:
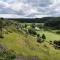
(29, 8)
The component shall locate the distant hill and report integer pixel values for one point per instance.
(30, 20)
(34, 20)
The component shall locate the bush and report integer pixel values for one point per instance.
(7, 54)
(1, 36)
(39, 38)
(58, 32)
(57, 44)
(43, 36)
(10, 54)
(31, 31)
(38, 35)
(10, 31)
(25, 25)
(50, 42)
(33, 25)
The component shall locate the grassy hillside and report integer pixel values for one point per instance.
(29, 47)
(26, 45)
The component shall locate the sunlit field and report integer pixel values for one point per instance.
(50, 36)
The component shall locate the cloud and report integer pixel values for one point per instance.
(4, 4)
(30, 8)
(9, 15)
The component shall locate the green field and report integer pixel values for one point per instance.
(29, 46)
(50, 36)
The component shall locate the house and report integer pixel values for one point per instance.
(37, 28)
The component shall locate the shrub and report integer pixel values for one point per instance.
(58, 32)
(57, 44)
(43, 36)
(7, 54)
(39, 38)
(50, 42)
(33, 25)
(10, 54)
(25, 25)
(1, 36)
(38, 35)
(31, 31)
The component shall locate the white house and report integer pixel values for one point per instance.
(37, 28)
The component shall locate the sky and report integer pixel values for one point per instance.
(29, 8)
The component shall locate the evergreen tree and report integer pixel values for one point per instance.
(43, 37)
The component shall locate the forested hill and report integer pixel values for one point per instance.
(35, 20)
(30, 20)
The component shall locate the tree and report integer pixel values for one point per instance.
(32, 32)
(38, 35)
(1, 27)
(39, 38)
(25, 25)
(17, 26)
(33, 25)
(43, 37)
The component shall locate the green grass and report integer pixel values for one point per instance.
(50, 36)
(29, 46)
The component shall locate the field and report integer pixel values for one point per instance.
(27, 47)
(50, 36)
